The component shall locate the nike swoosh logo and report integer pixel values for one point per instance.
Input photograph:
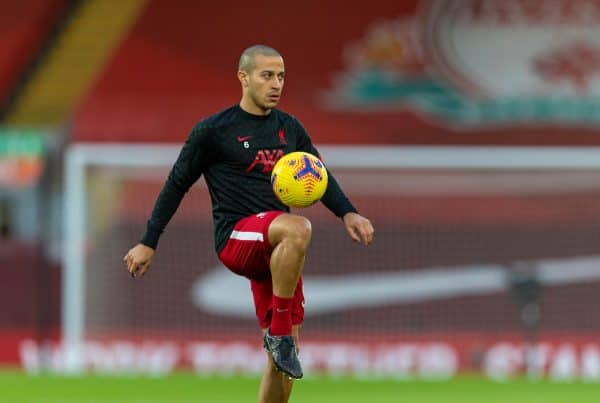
(222, 292)
(240, 138)
(281, 310)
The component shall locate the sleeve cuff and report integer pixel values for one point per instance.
(150, 238)
(344, 209)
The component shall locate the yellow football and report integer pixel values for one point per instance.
(299, 179)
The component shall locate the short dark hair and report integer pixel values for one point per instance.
(248, 56)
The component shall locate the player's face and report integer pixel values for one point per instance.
(266, 81)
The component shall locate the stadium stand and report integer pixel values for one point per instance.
(76, 57)
(161, 81)
(23, 29)
(178, 64)
(30, 291)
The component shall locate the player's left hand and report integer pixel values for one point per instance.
(359, 228)
(137, 260)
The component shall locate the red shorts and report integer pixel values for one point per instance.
(248, 253)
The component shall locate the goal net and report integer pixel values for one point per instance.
(484, 259)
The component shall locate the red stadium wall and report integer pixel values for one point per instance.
(410, 72)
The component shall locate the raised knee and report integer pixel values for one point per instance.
(302, 229)
(299, 231)
(291, 229)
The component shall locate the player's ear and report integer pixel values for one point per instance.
(243, 77)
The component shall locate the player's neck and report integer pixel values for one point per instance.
(253, 109)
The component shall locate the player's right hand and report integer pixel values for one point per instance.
(137, 260)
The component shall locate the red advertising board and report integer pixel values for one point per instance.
(428, 356)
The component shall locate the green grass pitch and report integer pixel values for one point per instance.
(188, 388)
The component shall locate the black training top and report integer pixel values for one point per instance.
(236, 152)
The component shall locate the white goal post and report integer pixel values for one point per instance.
(80, 157)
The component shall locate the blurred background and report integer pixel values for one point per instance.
(467, 131)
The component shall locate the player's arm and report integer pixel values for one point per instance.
(193, 158)
(358, 227)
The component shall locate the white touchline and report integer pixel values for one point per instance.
(220, 291)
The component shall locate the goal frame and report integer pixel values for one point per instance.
(79, 157)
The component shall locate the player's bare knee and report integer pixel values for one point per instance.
(299, 231)
(291, 228)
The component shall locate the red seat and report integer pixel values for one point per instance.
(24, 26)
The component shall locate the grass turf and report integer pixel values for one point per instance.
(188, 388)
